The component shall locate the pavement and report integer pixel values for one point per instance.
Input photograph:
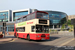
(7, 38)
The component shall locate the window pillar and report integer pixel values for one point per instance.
(60, 26)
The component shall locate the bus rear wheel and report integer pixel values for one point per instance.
(14, 35)
(17, 35)
(28, 37)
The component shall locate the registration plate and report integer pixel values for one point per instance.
(43, 39)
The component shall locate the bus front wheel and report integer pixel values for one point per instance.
(28, 37)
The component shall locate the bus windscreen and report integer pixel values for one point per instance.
(42, 29)
(42, 15)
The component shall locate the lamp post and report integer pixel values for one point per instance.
(73, 23)
(4, 24)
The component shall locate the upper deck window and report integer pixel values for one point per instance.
(19, 20)
(42, 15)
(38, 14)
(32, 16)
(24, 19)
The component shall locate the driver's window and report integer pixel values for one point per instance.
(32, 28)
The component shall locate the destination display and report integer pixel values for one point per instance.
(43, 21)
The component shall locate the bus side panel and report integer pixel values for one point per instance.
(22, 35)
(32, 36)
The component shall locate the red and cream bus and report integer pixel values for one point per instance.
(33, 26)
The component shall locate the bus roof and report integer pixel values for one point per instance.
(32, 13)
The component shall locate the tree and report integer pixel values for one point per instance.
(69, 22)
(63, 21)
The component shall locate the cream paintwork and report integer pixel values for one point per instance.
(28, 26)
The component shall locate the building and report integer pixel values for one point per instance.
(19, 13)
(55, 18)
(11, 16)
(5, 15)
(71, 17)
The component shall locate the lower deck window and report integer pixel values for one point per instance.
(1, 28)
(10, 28)
(20, 29)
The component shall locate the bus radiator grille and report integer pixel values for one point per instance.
(43, 35)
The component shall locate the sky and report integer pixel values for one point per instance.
(67, 6)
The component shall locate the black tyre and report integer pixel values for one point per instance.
(17, 35)
(14, 35)
(28, 37)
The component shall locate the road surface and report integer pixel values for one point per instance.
(56, 42)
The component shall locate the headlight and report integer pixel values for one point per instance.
(37, 36)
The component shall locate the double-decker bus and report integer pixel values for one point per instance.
(33, 26)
